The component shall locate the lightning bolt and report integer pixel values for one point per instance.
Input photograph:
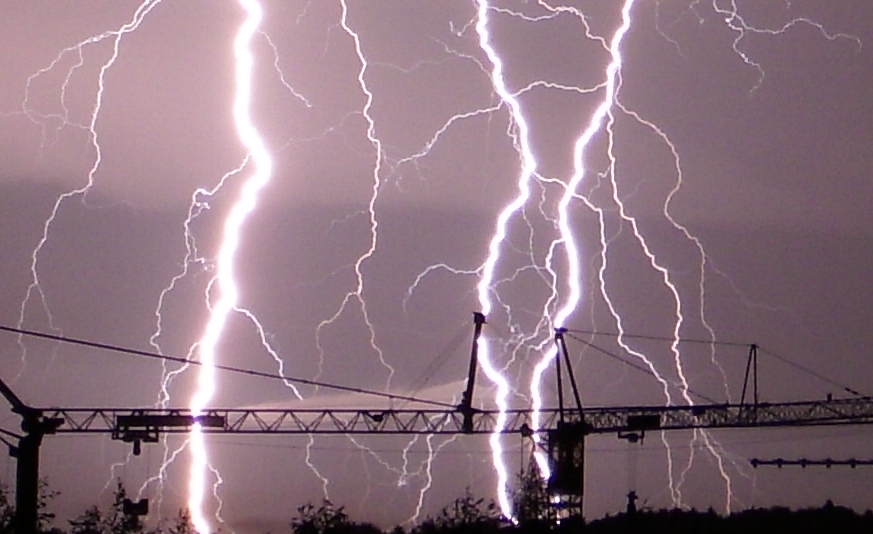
(487, 286)
(225, 282)
(488, 270)
(604, 114)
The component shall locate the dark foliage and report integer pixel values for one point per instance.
(328, 519)
(182, 524)
(45, 517)
(464, 514)
(776, 520)
(114, 521)
(531, 501)
(7, 511)
(468, 515)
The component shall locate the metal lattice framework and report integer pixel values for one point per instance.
(123, 422)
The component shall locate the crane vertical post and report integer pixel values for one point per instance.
(751, 369)
(559, 379)
(35, 426)
(27, 483)
(562, 345)
(754, 350)
(467, 399)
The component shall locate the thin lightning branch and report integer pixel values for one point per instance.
(427, 467)
(169, 457)
(42, 119)
(700, 435)
(268, 348)
(734, 20)
(358, 293)
(285, 83)
(116, 36)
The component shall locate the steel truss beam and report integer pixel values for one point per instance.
(388, 421)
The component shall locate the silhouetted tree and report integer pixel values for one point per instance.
(312, 520)
(470, 515)
(328, 519)
(44, 519)
(115, 521)
(465, 514)
(531, 500)
(182, 524)
(7, 510)
(91, 521)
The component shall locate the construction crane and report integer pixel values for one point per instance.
(565, 428)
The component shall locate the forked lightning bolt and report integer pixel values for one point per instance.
(558, 313)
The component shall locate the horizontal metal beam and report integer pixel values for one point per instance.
(387, 421)
(142, 419)
(804, 462)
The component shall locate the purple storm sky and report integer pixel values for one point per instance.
(774, 141)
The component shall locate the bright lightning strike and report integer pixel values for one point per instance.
(488, 269)
(601, 122)
(225, 281)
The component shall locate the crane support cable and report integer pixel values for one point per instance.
(227, 368)
(634, 365)
(810, 372)
(659, 338)
(768, 352)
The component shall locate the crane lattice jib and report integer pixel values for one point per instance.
(120, 422)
